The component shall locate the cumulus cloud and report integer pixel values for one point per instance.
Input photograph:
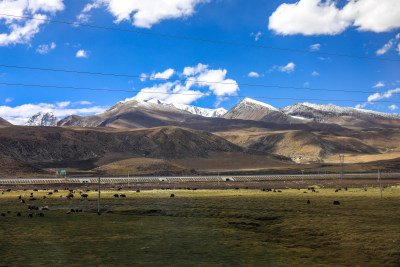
(316, 17)
(45, 48)
(363, 105)
(253, 74)
(82, 54)
(393, 107)
(159, 75)
(315, 73)
(199, 81)
(288, 68)
(379, 96)
(143, 14)
(22, 30)
(19, 115)
(190, 71)
(315, 47)
(379, 85)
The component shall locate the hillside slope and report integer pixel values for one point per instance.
(3, 122)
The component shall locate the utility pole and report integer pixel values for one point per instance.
(341, 159)
(380, 182)
(98, 200)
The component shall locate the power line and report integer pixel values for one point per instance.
(201, 39)
(188, 94)
(185, 80)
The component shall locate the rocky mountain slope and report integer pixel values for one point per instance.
(345, 116)
(250, 109)
(55, 144)
(307, 146)
(42, 119)
(3, 122)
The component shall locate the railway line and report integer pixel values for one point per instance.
(211, 178)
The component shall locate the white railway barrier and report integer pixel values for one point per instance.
(226, 178)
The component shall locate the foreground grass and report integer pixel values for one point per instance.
(205, 227)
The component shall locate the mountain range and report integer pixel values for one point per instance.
(153, 113)
(155, 137)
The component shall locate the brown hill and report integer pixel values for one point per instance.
(107, 151)
(304, 146)
(3, 122)
(85, 148)
(162, 142)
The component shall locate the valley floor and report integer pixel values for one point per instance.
(203, 227)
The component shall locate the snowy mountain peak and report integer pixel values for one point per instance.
(42, 119)
(251, 102)
(205, 112)
(333, 110)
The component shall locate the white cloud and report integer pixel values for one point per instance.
(379, 85)
(158, 76)
(45, 48)
(83, 103)
(144, 14)
(82, 54)
(315, 17)
(315, 73)
(253, 74)
(256, 35)
(359, 106)
(392, 42)
(184, 92)
(22, 30)
(379, 96)
(8, 100)
(288, 68)
(398, 48)
(393, 107)
(19, 115)
(385, 48)
(315, 47)
(189, 71)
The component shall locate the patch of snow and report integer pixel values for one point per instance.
(299, 117)
(205, 112)
(42, 119)
(250, 101)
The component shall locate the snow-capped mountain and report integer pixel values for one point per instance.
(330, 110)
(250, 109)
(42, 119)
(341, 115)
(205, 112)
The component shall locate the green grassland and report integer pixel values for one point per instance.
(204, 228)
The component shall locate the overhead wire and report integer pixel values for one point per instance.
(189, 94)
(202, 39)
(185, 80)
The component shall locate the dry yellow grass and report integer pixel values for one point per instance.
(354, 158)
(140, 166)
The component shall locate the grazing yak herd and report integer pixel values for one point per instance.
(83, 196)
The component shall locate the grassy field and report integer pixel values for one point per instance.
(204, 228)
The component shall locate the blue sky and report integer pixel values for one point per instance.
(360, 28)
